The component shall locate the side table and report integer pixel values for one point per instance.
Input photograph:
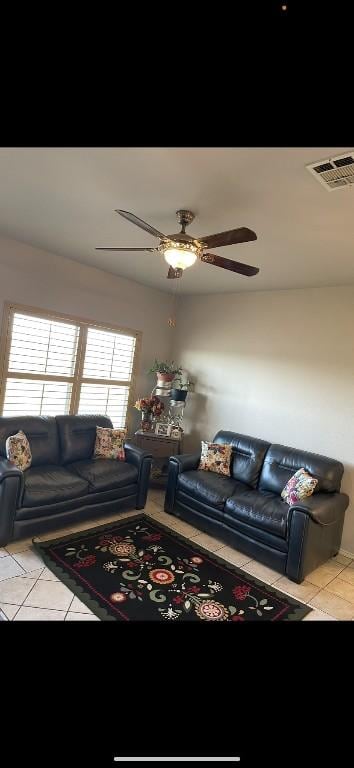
(161, 448)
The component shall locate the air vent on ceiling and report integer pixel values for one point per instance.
(334, 173)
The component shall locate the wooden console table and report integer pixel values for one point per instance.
(161, 448)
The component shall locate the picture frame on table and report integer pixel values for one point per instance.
(162, 429)
(175, 432)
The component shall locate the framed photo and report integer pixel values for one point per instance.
(175, 432)
(163, 429)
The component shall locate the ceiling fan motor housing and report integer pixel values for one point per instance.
(184, 217)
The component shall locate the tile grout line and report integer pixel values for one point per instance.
(70, 604)
(21, 566)
(33, 585)
(18, 608)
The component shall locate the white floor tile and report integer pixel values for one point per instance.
(325, 573)
(234, 556)
(48, 575)
(317, 615)
(15, 590)
(9, 610)
(38, 614)
(78, 607)
(204, 540)
(29, 560)
(261, 572)
(348, 575)
(333, 604)
(303, 592)
(9, 568)
(49, 594)
(341, 559)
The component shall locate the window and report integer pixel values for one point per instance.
(53, 364)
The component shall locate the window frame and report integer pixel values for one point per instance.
(77, 379)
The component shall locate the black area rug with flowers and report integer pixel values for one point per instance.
(137, 569)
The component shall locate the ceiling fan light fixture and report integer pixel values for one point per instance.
(180, 255)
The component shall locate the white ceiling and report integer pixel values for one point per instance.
(63, 199)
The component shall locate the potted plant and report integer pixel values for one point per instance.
(180, 389)
(165, 371)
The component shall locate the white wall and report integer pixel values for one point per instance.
(278, 365)
(40, 279)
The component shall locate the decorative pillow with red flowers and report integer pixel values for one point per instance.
(299, 487)
(110, 443)
(216, 458)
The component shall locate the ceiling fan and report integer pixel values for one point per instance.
(181, 250)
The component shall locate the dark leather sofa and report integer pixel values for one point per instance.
(64, 482)
(247, 512)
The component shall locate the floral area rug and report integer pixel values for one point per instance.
(139, 570)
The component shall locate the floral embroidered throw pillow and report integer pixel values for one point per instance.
(18, 450)
(110, 443)
(216, 458)
(299, 487)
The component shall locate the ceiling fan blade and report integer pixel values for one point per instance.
(126, 249)
(140, 223)
(233, 266)
(232, 237)
(172, 273)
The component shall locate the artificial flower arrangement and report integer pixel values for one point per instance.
(151, 404)
(151, 408)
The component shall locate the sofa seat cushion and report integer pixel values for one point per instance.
(208, 487)
(261, 509)
(104, 474)
(50, 484)
(74, 506)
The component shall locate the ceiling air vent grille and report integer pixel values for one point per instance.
(334, 173)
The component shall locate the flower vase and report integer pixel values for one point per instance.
(146, 421)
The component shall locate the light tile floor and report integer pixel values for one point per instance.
(29, 591)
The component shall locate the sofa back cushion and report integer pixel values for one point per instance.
(248, 456)
(281, 463)
(77, 435)
(42, 435)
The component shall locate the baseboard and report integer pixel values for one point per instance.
(346, 554)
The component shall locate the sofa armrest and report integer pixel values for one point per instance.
(178, 464)
(142, 461)
(186, 461)
(9, 472)
(11, 486)
(135, 455)
(323, 508)
(7, 469)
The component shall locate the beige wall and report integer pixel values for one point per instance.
(278, 365)
(40, 279)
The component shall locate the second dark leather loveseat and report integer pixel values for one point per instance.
(246, 509)
(64, 482)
